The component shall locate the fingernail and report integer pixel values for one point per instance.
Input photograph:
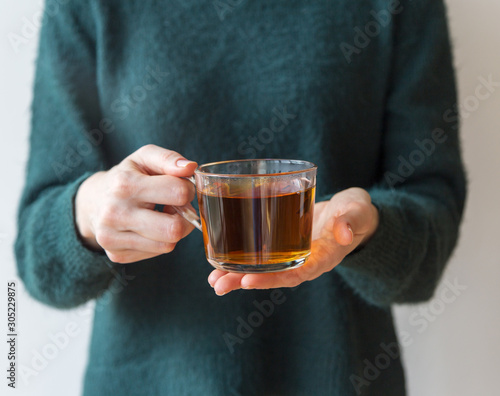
(182, 163)
(352, 233)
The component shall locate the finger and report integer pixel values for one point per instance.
(158, 226)
(214, 276)
(155, 160)
(325, 255)
(129, 256)
(290, 278)
(164, 190)
(116, 241)
(228, 282)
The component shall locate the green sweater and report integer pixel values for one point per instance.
(365, 93)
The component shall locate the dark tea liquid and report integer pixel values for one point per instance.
(253, 228)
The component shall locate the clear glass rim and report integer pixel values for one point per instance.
(309, 166)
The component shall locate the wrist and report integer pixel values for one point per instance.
(83, 212)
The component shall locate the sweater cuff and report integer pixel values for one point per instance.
(381, 270)
(381, 246)
(385, 241)
(79, 261)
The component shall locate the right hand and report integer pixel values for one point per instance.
(114, 209)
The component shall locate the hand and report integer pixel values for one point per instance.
(114, 210)
(348, 220)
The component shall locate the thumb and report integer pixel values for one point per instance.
(355, 223)
(155, 160)
(350, 224)
(343, 231)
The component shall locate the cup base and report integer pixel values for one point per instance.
(257, 268)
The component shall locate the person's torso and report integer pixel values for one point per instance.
(219, 80)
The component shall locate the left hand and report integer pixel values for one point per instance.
(346, 221)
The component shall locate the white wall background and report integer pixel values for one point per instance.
(451, 347)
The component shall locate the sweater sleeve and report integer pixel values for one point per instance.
(421, 191)
(52, 262)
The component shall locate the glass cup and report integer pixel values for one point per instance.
(256, 215)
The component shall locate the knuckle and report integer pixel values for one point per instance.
(183, 194)
(123, 184)
(119, 258)
(109, 215)
(302, 274)
(167, 155)
(146, 149)
(104, 238)
(167, 247)
(357, 206)
(366, 196)
(176, 230)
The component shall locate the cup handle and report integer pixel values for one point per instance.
(188, 214)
